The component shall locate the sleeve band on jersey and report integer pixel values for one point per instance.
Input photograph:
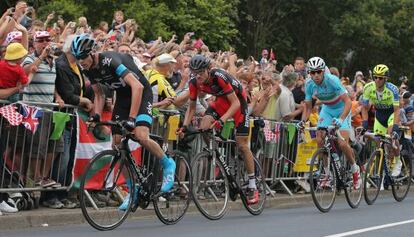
(120, 70)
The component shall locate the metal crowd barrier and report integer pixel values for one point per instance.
(28, 157)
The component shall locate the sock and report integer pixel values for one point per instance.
(252, 181)
(354, 168)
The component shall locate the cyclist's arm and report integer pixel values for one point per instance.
(190, 112)
(193, 94)
(347, 107)
(136, 90)
(99, 100)
(396, 104)
(397, 115)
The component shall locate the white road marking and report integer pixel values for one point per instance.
(354, 232)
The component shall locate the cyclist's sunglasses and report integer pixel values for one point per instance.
(379, 78)
(198, 72)
(315, 72)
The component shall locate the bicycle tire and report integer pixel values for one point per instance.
(373, 177)
(319, 180)
(406, 180)
(207, 185)
(257, 208)
(353, 196)
(173, 205)
(100, 165)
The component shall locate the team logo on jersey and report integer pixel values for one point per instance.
(106, 61)
(149, 108)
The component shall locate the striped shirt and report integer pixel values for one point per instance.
(42, 86)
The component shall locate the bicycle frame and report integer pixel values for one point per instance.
(330, 146)
(213, 149)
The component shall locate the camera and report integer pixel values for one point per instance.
(55, 50)
(12, 10)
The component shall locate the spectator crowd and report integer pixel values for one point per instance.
(37, 67)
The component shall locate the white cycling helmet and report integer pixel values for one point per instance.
(316, 63)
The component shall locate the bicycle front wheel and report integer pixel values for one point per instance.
(254, 209)
(322, 180)
(210, 186)
(401, 184)
(102, 190)
(373, 177)
(170, 207)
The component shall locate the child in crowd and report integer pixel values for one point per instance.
(13, 75)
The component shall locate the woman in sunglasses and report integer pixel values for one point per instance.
(336, 108)
(385, 97)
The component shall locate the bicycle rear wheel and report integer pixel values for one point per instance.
(170, 207)
(254, 209)
(102, 190)
(353, 193)
(401, 184)
(322, 180)
(373, 177)
(210, 186)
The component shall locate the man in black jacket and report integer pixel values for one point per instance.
(70, 85)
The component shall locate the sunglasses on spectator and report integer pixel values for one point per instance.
(42, 40)
(379, 78)
(315, 72)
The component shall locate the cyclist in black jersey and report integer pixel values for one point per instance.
(133, 98)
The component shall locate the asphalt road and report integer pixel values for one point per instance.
(385, 218)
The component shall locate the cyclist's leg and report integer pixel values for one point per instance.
(142, 131)
(394, 152)
(325, 120)
(345, 133)
(121, 113)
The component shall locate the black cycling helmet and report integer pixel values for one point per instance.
(82, 46)
(199, 62)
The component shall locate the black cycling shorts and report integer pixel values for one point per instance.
(123, 105)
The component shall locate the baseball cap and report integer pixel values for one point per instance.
(165, 58)
(15, 51)
(41, 35)
(14, 35)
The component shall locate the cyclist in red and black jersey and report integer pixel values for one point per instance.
(230, 102)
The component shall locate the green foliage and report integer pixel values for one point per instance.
(371, 31)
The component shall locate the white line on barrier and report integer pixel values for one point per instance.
(354, 232)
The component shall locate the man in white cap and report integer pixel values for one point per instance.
(163, 93)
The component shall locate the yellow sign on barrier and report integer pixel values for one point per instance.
(173, 123)
(304, 155)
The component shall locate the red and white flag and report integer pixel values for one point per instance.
(9, 112)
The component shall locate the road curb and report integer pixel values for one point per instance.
(44, 217)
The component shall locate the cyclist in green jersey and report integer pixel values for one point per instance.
(385, 98)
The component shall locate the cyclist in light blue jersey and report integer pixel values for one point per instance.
(336, 108)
